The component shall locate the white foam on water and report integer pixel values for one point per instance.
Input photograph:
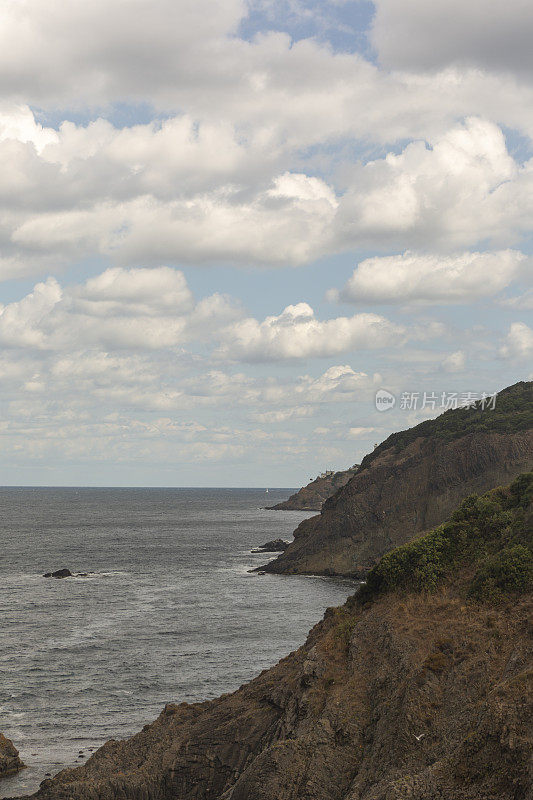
(168, 613)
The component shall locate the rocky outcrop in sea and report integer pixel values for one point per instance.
(313, 496)
(59, 573)
(275, 546)
(10, 762)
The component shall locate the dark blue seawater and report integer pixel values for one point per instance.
(171, 612)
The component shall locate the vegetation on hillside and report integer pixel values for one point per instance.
(490, 535)
(513, 411)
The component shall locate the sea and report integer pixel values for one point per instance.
(168, 611)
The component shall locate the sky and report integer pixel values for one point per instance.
(225, 226)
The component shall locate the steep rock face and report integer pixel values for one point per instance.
(313, 496)
(9, 757)
(412, 481)
(398, 695)
(339, 719)
(400, 494)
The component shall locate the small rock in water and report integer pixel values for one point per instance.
(59, 573)
(10, 762)
(275, 546)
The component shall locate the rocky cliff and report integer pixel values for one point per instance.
(9, 758)
(317, 491)
(419, 687)
(412, 482)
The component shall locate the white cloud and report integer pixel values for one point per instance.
(431, 278)
(296, 333)
(321, 431)
(178, 54)
(454, 362)
(147, 292)
(256, 154)
(519, 342)
(462, 189)
(357, 433)
(23, 265)
(135, 308)
(416, 34)
(522, 302)
(17, 123)
(116, 342)
(282, 415)
(193, 192)
(339, 383)
(220, 226)
(91, 404)
(125, 55)
(21, 323)
(301, 187)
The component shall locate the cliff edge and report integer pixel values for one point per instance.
(419, 687)
(313, 496)
(412, 482)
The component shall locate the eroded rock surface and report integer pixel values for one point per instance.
(275, 546)
(403, 696)
(10, 762)
(339, 719)
(59, 573)
(313, 496)
(412, 482)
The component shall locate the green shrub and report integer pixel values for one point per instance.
(510, 570)
(522, 490)
(513, 412)
(490, 530)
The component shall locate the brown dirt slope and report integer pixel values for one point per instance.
(412, 482)
(402, 694)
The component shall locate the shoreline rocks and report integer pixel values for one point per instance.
(10, 762)
(399, 696)
(66, 573)
(59, 573)
(275, 546)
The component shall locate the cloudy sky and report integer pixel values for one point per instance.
(225, 225)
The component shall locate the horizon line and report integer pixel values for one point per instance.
(130, 486)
